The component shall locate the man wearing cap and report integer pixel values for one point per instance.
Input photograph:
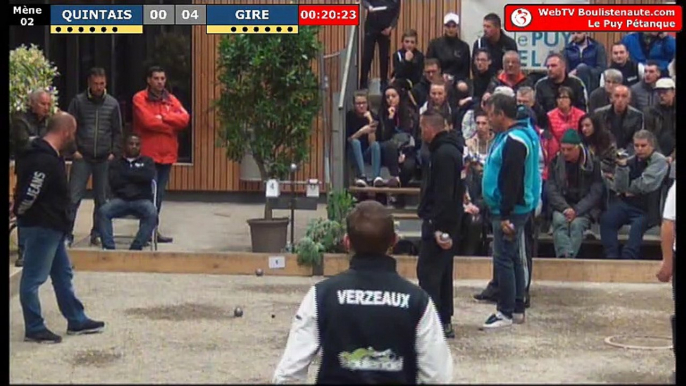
(451, 51)
(382, 17)
(660, 119)
(574, 189)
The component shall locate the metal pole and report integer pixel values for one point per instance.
(292, 211)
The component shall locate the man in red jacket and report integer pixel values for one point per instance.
(157, 118)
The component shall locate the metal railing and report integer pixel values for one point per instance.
(348, 85)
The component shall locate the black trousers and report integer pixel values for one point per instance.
(529, 240)
(372, 37)
(435, 272)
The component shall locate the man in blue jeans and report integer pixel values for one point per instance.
(130, 178)
(511, 190)
(42, 210)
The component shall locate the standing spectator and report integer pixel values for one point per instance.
(512, 191)
(30, 124)
(668, 244)
(363, 148)
(98, 141)
(158, 117)
(495, 41)
(407, 332)
(644, 47)
(599, 141)
(382, 17)
(397, 136)
(130, 178)
(25, 127)
(575, 190)
(565, 115)
(408, 62)
(420, 91)
(41, 207)
(622, 120)
(632, 73)
(643, 94)
(601, 96)
(482, 74)
(546, 88)
(586, 59)
(660, 119)
(440, 208)
(451, 51)
(637, 181)
(512, 76)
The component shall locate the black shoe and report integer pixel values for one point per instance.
(488, 295)
(527, 301)
(164, 239)
(448, 331)
(95, 240)
(89, 327)
(135, 248)
(44, 336)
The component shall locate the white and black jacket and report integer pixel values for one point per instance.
(372, 325)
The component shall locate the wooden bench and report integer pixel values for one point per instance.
(375, 190)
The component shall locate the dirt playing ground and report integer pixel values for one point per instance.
(180, 329)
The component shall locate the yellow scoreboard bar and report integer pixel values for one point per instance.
(252, 29)
(96, 29)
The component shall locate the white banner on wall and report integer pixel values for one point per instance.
(533, 46)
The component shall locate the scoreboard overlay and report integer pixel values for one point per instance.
(217, 19)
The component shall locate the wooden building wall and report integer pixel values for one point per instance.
(212, 172)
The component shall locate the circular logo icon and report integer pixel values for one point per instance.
(521, 17)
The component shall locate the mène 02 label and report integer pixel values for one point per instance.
(29, 15)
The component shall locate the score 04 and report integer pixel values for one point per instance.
(188, 14)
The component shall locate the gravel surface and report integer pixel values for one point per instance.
(181, 329)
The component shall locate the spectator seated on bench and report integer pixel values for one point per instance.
(637, 181)
(363, 146)
(575, 190)
(132, 179)
(397, 126)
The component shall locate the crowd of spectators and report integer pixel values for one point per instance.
(607, 125)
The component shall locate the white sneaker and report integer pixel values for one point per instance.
(379, 182)
(496, 320)
(518, 318)
(361, 183)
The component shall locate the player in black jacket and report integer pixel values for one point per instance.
(382, 17)
(441, 209)
(372, 325)
(130, 178)
(41, 207)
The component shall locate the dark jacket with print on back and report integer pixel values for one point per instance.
(98, 125)
(42, 196)
(132, 180)
(442, 190)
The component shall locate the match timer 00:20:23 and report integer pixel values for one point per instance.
(333, 14)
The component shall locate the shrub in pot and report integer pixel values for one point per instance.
(269, 99)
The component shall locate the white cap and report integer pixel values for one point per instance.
(665, 84)
(451, 17)
(504, 90)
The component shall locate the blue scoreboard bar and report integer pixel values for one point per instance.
(120, 19)
(228, 19)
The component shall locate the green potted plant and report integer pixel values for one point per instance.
(268, 102)
(325, 235)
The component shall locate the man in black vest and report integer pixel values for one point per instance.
(372, 325)
(441, 209)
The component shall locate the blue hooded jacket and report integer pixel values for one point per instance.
(662, 50)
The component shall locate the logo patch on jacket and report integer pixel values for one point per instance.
(367, 359)
(373, 298)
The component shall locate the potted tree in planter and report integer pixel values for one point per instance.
(269, 100)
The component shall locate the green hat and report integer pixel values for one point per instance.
(571, 137)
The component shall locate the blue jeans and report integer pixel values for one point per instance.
(372, 155)
(162, 179)
(618, 214)
(81, 171)
(46, 255)
(144, 210)
(509, 260)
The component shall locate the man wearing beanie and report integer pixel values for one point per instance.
(575, 190)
